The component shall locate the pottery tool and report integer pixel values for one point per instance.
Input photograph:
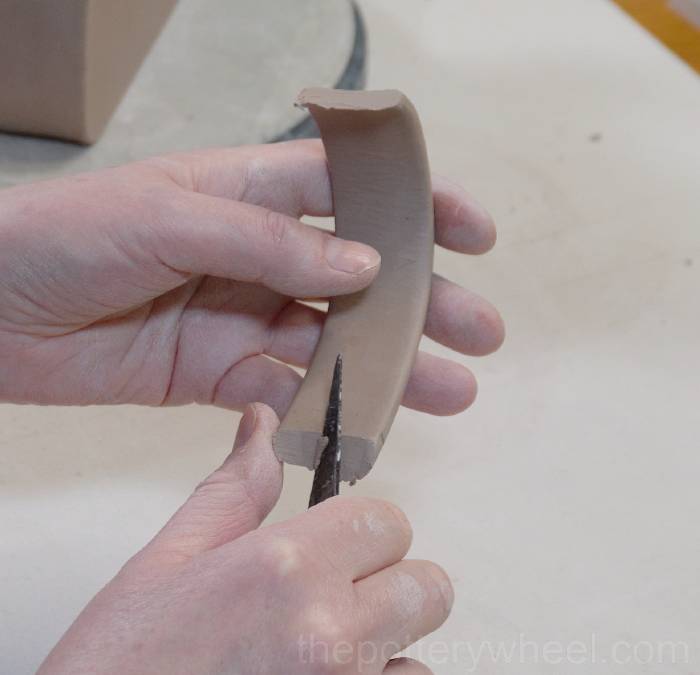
(327, 475)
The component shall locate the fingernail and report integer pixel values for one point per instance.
(247, 426)
(350, 256)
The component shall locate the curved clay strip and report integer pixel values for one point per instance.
(382, 196)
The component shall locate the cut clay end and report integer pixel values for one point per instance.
(342, 99)
(358, 454)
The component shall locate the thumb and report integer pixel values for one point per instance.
(233, 500)
(244, 242)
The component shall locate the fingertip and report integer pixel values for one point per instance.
(231, 501)
(486, 329)
(496, 328)
(461, 223)
(267, 417)
(487, 236)
(464, 393)
(462, 320)
(443, 584)
(256, 429)
(439, 386)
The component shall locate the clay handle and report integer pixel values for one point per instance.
(382, 196)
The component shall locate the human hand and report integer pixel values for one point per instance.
(328, 591)
(173, 280)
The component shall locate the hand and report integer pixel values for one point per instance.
(325, 592)
(174, 280)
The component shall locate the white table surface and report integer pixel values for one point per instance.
(565, 503)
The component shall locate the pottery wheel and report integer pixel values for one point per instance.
(221, 73)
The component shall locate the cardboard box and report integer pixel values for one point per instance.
(65, 64)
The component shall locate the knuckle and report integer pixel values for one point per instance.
(177, 167)
(330, 639)
(385, 514)
(255, 173)
(276, 227)
(282, 557)
(208, 484)
(217, 490)
(326, 623)
(371, 515)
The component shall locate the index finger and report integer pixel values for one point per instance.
(292, 178)
(358, 536)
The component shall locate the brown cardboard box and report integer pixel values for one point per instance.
(65, 64)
